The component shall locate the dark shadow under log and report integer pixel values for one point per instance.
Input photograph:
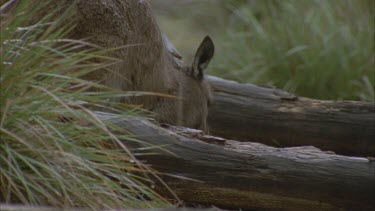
(247, 112)
(231, 174)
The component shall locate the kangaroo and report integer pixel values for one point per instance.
(148, 62)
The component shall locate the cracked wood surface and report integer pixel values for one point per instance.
(231, 174)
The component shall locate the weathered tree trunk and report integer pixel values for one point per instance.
(253, 113)
(231, 174)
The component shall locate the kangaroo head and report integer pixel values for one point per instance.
(190, 108)
(196, 90)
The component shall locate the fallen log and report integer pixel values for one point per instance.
(247, 112)
(230, 174)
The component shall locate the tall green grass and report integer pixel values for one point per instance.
(319, 49)
(53, 148)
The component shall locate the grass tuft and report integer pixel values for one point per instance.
(53, 148)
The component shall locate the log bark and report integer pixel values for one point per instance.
(253, 113)
(230, 174)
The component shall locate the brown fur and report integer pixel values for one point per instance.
(147, 63)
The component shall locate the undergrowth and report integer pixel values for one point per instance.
(54, 150)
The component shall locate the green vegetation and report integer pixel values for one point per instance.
(314, 48)
(53, 149)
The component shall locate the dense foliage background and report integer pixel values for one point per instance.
(315, 48)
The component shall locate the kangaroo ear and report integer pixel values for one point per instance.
(202, 57)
